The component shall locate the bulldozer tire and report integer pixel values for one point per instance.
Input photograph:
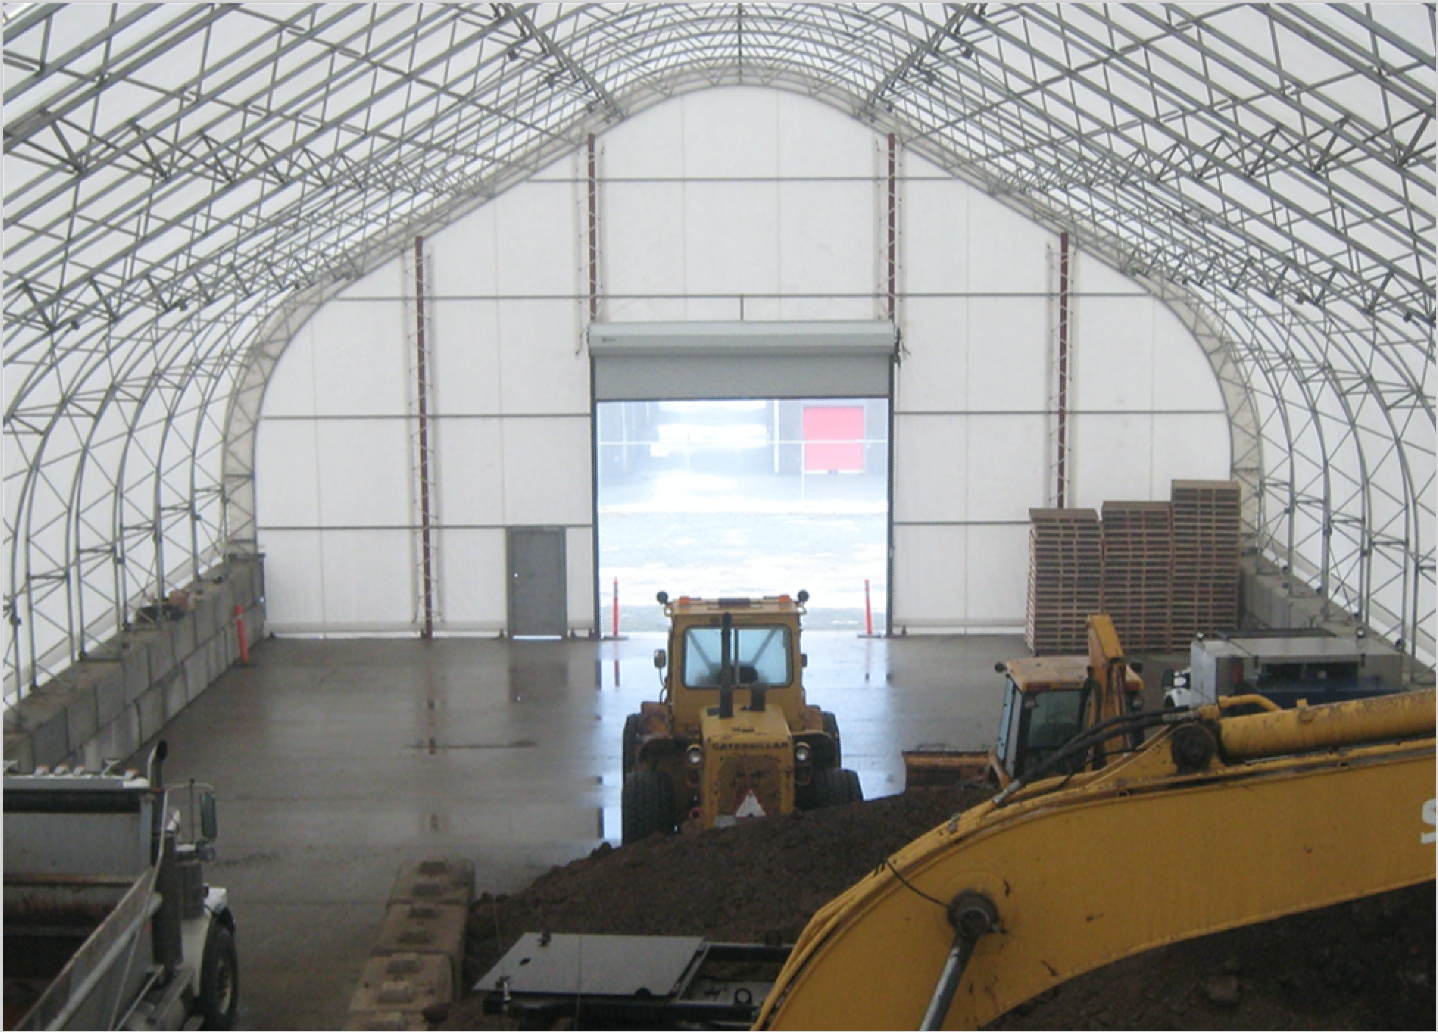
(647, 804)
(831, 728)
(836, 786)
(631, 741)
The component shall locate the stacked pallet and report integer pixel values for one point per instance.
(1065, 579)
(1138, 573)
(1207, 540)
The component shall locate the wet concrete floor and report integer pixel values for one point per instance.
(335, 762)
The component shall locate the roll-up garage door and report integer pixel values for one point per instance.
(691, 361)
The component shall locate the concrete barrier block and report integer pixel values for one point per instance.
(196, 675)
(117, 740)
(215, 609)
(255, 623)
(80, 715)
(247, 574)
(386, 1021)
(43, 718)
(185, 633)
(162, 652)
(176, 694)
(435, 880)
(230, 639)
(424, 928)
(224, 594)
(241, 581)
(18, 751)
(403, 982)
(135, 658)
(108, 678)
(226, 650)
(150, 711)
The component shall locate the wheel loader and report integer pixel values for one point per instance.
(732, 735)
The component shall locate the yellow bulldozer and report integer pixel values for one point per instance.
(733, 735)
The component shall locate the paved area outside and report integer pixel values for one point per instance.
(337, 761)
(712, 534)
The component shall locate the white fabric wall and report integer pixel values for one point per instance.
(716, 205)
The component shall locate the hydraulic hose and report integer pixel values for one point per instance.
(1096, 735)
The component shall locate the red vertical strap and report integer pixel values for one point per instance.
(1061, 495)
(593, 185)
(421, 372)
(893, 224)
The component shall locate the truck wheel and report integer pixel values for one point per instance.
(631, 741)
(647, 804)
(219, 980)
(836, 786)
(831, 728)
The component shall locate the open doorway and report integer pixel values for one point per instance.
(744, 498)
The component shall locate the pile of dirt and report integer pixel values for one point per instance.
(1368, 964)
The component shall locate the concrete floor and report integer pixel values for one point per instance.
(335, 762)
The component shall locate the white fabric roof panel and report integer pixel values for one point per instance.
(182, 180)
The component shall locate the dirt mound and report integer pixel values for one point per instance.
(1368, 964)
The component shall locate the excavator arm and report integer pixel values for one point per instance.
(1216, 822)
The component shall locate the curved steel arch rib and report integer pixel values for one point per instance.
(184, 184)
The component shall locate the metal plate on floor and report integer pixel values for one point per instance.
(593, 965)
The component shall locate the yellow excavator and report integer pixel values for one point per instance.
(1217, 821)
(1220, 817)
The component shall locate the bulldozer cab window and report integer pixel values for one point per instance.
(761, 656)
(1049, 721)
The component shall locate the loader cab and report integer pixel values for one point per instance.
(764, 652)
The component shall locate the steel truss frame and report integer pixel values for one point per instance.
(184, 184)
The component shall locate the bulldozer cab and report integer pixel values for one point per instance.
(764, 656)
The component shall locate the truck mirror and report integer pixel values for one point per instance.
(660, 659)
(209, 818)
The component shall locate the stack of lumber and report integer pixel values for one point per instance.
(1065, 579)
(1138, 573)
(1207, 540)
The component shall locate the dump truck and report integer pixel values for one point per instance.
(733, 735)
(109, 922)
(1048, 700)
(1217, 819)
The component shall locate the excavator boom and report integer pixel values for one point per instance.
(1216, 822)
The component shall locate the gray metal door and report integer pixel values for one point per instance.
(537, 596)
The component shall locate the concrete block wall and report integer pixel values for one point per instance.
(416, 968)
(109, 704)
(1272, 599)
